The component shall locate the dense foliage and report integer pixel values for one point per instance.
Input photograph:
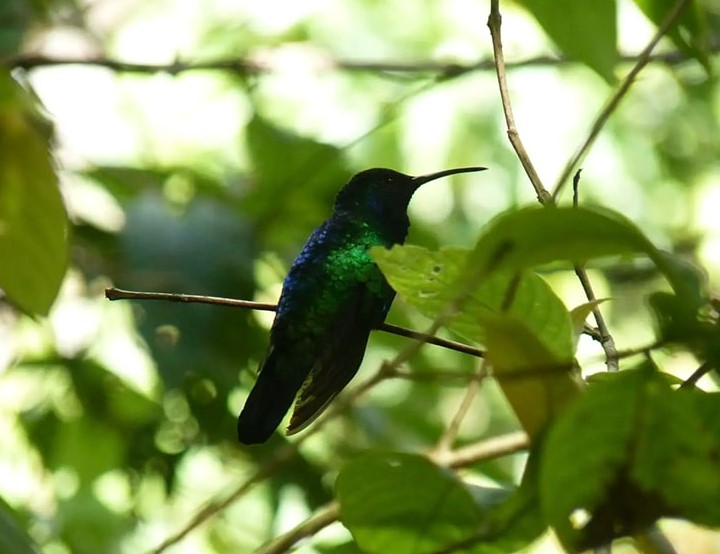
(191, 149)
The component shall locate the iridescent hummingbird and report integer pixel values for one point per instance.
(332, 298)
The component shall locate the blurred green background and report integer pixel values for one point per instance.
(117, 420)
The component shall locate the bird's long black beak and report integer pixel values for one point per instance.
(422, 179)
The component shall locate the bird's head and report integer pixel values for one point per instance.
(384, 194)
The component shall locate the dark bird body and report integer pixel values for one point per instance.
(332, 298)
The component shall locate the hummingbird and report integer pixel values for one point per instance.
(332, 297)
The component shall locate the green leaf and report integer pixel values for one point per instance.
(629, 451)
(537, 383)
(33, 224)
(677, 454)
(428, 280)
(523, 324)
(534, 236)
(579, 315)
(691, 31)
(585, 31)
(386, 511)
(13, 539)
(584, 451)
(77, 438)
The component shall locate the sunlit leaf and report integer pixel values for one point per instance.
(579, 315)
(33, 224)
(585, 31)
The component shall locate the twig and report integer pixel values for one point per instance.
(212, 508)
(606, 340)
(257, 64)
(448, 437)
(494, 23)
(487, 449)
(483, 450)
(698, 374)
(618, 95)
(113, 293)
(646, 349)
(325, 516)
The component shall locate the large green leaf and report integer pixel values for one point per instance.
(33, 224)
(534, 236)
(403, 503)
(525, 327)
(629, 451)
(585, 31)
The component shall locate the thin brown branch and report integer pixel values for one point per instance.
(325, 516)
(448, 437)
(113, 293)
(642, 60)
(256, 65)
(487, 449)
(698, 374)
(214, 507)
(606, 340)
(494, 24)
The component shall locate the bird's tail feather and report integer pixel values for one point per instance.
(269, 400)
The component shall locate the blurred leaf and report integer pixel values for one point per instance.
(349, 547)
(585, 31)
(15, 18)
(691, 31)
(76, 439)
(88, 526)
(386, 511)
(382, 504)
(202, 248)
(13, 539)
(628, 452)
(297, 179)
(33, 225)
